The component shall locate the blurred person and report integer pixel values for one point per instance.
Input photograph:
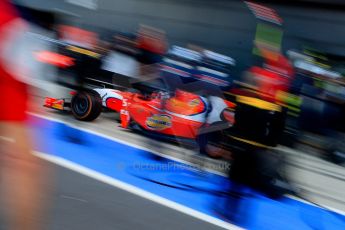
(125, 43)
(87, 53)
(275, 75)
(322, 104)
(259, 124)
(255, 166)
(22, 173)
(152, 45)
(85, 49)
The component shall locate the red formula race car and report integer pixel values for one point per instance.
(178, 116)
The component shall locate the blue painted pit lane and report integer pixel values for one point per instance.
(178, 182)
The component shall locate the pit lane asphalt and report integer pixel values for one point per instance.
(77, 202)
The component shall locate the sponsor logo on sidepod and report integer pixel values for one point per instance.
(158, 122)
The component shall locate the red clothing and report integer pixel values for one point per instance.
(152, 44)
(13, 93)
(269, 82)
(282, 66)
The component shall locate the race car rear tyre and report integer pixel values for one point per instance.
(86, 105)
(209, 144)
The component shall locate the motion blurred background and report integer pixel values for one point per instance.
(226, 27)
(275, 160)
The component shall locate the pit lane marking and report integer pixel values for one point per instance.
(134, 190)
(127, 143)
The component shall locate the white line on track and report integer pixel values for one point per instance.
(73, 198)
(323, 207)
(134, 190)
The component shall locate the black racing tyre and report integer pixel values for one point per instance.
(209, 143)
(86, 105)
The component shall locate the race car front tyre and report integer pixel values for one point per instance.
(86, 105)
